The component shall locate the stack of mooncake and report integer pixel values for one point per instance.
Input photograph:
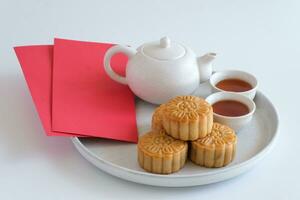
(181, 127)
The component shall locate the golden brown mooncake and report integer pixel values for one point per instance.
(157, 119)
(217, 149)
(187, 118)
(160, 153)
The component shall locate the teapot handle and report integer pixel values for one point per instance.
(107, 58)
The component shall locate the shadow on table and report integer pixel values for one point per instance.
(22, 135)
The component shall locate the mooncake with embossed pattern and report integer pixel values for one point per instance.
(157, 118)
(160, 153)
(187, 118)
(217, 149)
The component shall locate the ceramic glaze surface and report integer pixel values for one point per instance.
(158, 71)
(158, 82)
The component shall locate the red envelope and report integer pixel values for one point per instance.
(36, 62)
(84, 99)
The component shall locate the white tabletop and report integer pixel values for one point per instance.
(261, 37)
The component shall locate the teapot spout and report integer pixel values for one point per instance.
(205, 66)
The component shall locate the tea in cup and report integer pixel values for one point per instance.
(231, 109)
(234, 81)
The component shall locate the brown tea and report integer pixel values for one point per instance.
(230, 108)
(234, 85)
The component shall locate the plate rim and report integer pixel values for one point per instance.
(248, 162)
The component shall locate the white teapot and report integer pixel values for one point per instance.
(161, 70)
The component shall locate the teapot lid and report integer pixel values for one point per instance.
(163, 50)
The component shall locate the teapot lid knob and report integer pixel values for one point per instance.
(163, 49)
(165, 42)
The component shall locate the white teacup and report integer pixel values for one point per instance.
(234, 74)
(234, 122)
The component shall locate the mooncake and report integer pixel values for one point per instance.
(157, 118)
(217, 149)
(187, 118)
(160, 153)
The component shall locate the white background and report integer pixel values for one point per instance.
(259, 36)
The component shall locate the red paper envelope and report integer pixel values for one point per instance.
(36, 62)
(84, 99)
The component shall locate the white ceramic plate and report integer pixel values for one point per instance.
(120, 158)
